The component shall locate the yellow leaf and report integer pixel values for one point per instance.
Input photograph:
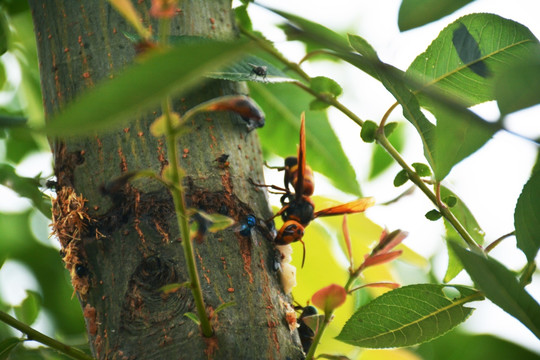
(388, 354)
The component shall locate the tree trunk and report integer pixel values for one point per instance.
(121, 248)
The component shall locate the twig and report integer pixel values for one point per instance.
(35, 335)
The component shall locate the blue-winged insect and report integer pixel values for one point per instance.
(248, 224)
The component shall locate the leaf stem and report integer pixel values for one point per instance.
(379, 136)
(35, 335)
(318, 335)
(182, 218)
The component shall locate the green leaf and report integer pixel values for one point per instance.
(25, 187)
(216, 222)
(499, 43)
(283, 104)
(457, 136)
(324, 85)
(415, 13)
(193, 317)
(29, 309)
(362, 46)
(242, 18)
(409, 315)
(389, 128)
(322, 34)
(393, 80)
(527, 218)
(141, 86)
(501, 287)
(4, 32)
(368, 131)
(380, 159)
(463, 346)
(467, 219)
(421, 169)
(401, 178)
(224, 306)
(7, 345)
(243, 70)
(516, 88)
(171, 288)
(433, 215)
(10, 121)
(450, 201)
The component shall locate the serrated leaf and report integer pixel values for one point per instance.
(243, 70)
(407, 316)
(415, 13)
(7, 345)
(29, 309)
(527, 218)
(283, 104)
(141, 86)
(501, 287)
(467, 219)
(500, 42)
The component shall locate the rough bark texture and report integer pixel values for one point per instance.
(121, 249)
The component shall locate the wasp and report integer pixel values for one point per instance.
(306, 333)
(298, 210)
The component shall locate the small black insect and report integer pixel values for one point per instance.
(223, 160)
(259, 70)
(81, 270)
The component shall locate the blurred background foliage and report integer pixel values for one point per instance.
(30, 258)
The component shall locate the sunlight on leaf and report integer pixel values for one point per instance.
(415, 13)
(527, 218)
(406, 316)
(501, 287)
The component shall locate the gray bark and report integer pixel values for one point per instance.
(130, 246)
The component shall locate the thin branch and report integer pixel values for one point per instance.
(498, 241)
(35, 335)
